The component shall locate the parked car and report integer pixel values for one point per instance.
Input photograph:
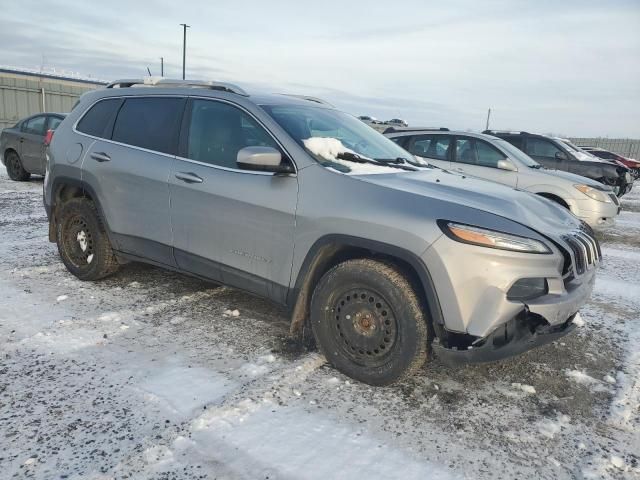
(368, 119)
(495, 159)
(22, 147)
(377, 259)
(609, 156)
(554, 154)
(397, 122)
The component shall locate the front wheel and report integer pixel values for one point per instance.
(368, 322)
(15, 170)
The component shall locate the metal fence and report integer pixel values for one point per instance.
(22, 95)
(627, 147)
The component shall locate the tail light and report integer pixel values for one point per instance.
(48, 137)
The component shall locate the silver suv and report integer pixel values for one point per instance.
(378, 259)
(495, 159)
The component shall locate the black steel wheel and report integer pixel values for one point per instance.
(367, 319)
(82, 241)
(15, 170)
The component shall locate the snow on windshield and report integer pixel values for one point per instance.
(329, 148)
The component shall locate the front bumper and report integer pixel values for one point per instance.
(597, 214)
(472, 284)
(513, 338)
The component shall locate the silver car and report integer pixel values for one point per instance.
(378, 260)
(495, 159)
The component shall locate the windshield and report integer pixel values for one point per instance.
(515, 152)
(330, 136)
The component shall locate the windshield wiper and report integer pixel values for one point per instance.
(536, 166)
(354, 157)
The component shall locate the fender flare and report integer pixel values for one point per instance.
(330, 245)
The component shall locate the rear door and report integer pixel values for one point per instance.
(229, 224)
(32, 144)
(129, 169)
(435, 149)
(476, 157)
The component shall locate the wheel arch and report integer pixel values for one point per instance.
(331, 250)
(66, 188)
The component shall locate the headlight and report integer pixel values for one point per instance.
(491, 238)
(593, 193)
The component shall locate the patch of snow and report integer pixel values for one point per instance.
(528, 389)
(550, 428)
(90, 258)
(609, 379)
(578, 320)
(584, 379)
(329, 148)
(61, 298)
(617, 462)
(232, 313)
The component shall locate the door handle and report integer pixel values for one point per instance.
(100, 156)
(21, 139)
(189, 177)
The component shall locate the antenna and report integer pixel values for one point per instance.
(488, 117)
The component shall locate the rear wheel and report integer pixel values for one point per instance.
(368, 322)
(15, 170)
(82, 241)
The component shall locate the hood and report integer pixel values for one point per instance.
(574, 179)
(525, 208)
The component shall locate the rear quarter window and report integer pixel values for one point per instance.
(95, 121)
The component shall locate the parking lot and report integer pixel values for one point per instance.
(150, 374)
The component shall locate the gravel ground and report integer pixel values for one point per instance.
(150, 374)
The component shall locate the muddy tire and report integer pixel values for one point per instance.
(368, 322)
(82, 241)
(15, 170)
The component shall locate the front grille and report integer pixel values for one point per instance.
(584, 249)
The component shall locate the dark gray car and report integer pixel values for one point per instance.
(22, 147)
(377, 258)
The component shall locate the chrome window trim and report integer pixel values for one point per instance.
(178, 157)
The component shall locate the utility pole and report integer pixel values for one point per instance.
(184, 45)
(162, 66)
(488, 117)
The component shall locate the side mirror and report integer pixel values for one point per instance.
(561, 156)
(262, 159)
(506, 165)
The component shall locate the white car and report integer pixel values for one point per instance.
(492, 158)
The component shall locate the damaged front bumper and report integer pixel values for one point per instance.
(522, 333)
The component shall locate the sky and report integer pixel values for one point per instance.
(564, 67)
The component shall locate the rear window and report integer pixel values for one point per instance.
(95, 121)
(150, 123)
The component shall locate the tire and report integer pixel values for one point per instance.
(369, 323)
(82, 241)
(15, 170)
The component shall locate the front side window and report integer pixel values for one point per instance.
(218, 131)
(431, 146)
(95, 121)
(329, 134)
(487, 155)
(35, 125)
(541, 148)
(149, 122)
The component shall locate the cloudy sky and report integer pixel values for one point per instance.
(567, 67)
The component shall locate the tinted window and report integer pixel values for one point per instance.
(431, 146)
(465, 151)
(487, 155)
(150, 123)
(54, 122)
(217, 131)
(515, 141)
(35, 125)
(541, 148)
(95, 121)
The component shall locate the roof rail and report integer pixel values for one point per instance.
(517, 132)
(309, 99)
(415, 129)
(170, 82)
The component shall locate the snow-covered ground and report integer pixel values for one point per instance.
(150, 374)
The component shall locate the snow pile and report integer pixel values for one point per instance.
(329, 148)
(550, 428)
(582, 378)
(578, 321)
(528, 389)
